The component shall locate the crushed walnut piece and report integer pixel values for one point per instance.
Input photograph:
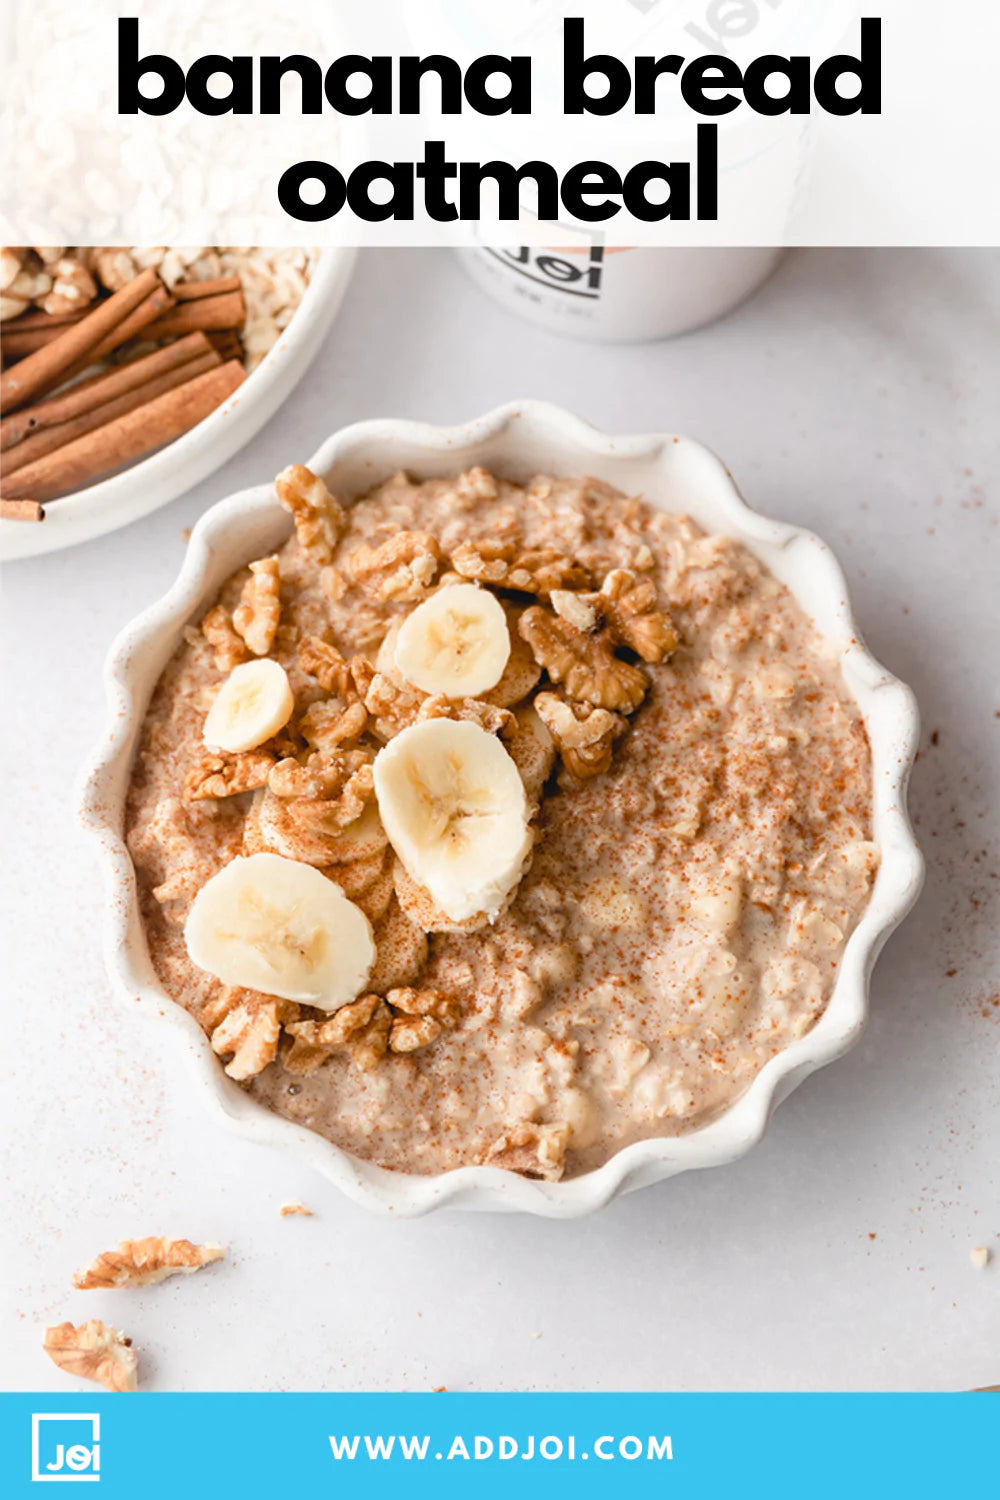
(341, 784)
(317, 777)
(295, 1209)
(499, 721)
(575, 609)
(215, 1009)
(403, 567)
(537, 571)
(143, 1262)
(326, 726)
(392, 705)
(328, 830)
(319, 518)
(482, 562)
(93, 1351)
(360, 1029)
(585, 735)
(584, 664)
(628, 606)
(249, 1033)
(227, 775)
(230, 648)
(258, 614)
(332, 670)
(533, 1150)
(421, 1016)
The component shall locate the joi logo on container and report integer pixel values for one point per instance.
(65, 1445)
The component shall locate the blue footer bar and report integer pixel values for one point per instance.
(442, 1445)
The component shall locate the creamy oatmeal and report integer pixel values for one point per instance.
(572, 795)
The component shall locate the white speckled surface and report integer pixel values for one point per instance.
(855, 395)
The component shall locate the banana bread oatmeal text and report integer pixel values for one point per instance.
(500, 824)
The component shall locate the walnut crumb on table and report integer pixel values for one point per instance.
(980, 1257)
(94, 1352)
(143, 1262)
(291, 1210)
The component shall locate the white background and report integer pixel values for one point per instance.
(857, 395)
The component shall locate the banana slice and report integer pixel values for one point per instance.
(521, 673)
(402, 951)
(385, 660)
(533, 750)
(454, 808)
(253, 703)
(456, 642)
(298, 830)
(420, 908)
(273, 924)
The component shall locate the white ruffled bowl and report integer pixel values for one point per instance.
(517, 440)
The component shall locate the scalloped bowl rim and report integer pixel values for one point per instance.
(888, 706)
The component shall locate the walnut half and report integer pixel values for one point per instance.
(228, 646)
(142, 1262)
(249, 1032)
(258, 613)
(95, 1352)
(319, 518)
(583, 663)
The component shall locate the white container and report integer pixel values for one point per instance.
(681, 274)
(621, 295)
(517, 440)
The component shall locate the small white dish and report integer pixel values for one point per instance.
(517, 440)
(157, 480)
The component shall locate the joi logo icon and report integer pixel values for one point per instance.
(65, 1445)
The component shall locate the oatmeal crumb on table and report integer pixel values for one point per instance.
(685, 855)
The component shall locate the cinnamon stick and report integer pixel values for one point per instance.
(158, 301)
(225, 311)
(192, 291)
(83, 397)
(227, 342)
(128, 438)
(21, 510)
(33, 330)
(43, 369)
(19, 342)
(38, 319)
(52, 438)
